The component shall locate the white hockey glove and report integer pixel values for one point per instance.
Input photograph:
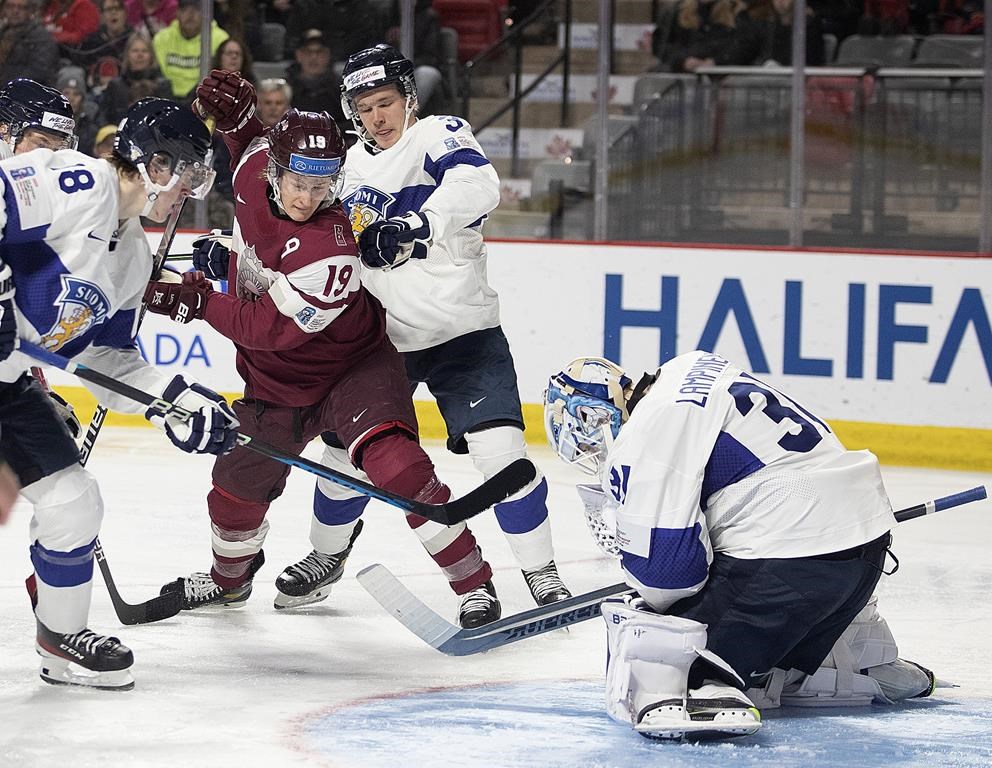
(213, 427)
(390, 243)
(600, 518)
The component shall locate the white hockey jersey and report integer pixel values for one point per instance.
(79, 272)
(437, 168)
(713, 459)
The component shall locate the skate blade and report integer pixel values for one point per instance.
(672, 725)
(282, 601)
(55, 670)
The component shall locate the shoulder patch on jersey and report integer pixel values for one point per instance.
(21, 173)
(366, 205)
(81, 305)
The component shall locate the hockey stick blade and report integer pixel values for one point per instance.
(500, 486)
(449, 639)
(158, 608)
(442, 635)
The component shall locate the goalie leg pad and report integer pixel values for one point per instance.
(647, 678)
(863, 666)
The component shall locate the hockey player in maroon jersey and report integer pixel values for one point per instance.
(312, 349)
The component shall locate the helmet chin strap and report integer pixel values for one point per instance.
(409, 111)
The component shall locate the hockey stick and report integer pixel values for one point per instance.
(158, 608)
(163, 606)
(497, 488)
(449, 639)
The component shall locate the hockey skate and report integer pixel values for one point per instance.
(310, 580)
(712, 711)
(545, 585)
(199, 590)
(84, 658)
(478, 607)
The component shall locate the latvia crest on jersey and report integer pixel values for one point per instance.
(81, 305)
(253, 279)
(366, 205)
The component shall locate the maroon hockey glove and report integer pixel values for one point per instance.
(226, 97)
(183, 301)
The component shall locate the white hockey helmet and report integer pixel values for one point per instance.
(584, 407)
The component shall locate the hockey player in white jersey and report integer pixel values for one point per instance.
(75, 263)
(34, 116)
(418, 192)
(752, 536)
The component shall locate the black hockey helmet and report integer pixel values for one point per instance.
(169, 134)
(373, 68)
(26, 104)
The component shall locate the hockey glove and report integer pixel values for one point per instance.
(183, 301)
(389, 243)
(67, 413)
(8, 318)
(213, 427)
(226, 97)
(212, 255)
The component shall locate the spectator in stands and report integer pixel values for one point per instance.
(239, 18)
(140, 77)
(960, 17)
(234, 57)
(885, 17)
(349, 26)
(177, 48)
(70, 21)
(150, 15)
(695, 33)
(774, 32)
(103, 144)
(83, 111)
(433, 92)
(27, 49)
(275, 11)
(315, 86)
(274, 99)
(110, 39)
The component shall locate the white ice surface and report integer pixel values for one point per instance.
(342, 684)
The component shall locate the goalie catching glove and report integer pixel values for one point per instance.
(183, 301)
(212, 428)
(226, 97)
(212, 253)
(389, 243)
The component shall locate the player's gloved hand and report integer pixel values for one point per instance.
(212, 427)
(8, 318)
(66, 412)
(600, 517)
(183, 301)
(226, 97)
(212, 254)
(389, 243)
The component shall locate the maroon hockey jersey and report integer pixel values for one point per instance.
(295, 308)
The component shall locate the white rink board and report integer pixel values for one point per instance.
(561, 301)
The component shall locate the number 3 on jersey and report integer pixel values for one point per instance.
(75, 180)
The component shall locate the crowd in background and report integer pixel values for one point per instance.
(106, 54)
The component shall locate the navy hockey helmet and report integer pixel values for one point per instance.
(585, 405)
(26, 104)
(373, 68)
(307, 144)
(163, 134)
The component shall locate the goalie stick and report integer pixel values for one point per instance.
(497, 488)
(449, 639)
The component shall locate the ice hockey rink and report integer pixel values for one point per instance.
(343, 684)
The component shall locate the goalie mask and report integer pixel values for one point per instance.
(584, 407)
(308, 145)
(26, 104)
(369, 70)
(160, 134)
